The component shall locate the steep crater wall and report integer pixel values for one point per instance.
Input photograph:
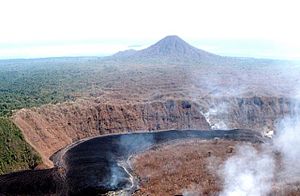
(256, 113)
(52, 127)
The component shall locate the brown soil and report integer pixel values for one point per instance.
(189, 167)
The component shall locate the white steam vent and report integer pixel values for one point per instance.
(213, 114)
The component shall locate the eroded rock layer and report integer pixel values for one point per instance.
(52, 127)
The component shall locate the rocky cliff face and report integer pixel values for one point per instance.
(52, 127)
(256, 113)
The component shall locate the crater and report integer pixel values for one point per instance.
(100, 165)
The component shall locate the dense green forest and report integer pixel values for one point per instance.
(33, 83)
(29, 83)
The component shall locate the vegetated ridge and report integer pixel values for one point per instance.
(16, 154)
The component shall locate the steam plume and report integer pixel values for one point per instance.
(250, 172)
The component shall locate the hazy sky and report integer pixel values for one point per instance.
(42, 28)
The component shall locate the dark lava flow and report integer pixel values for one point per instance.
(93, 166)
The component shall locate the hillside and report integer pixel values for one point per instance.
(16, 154)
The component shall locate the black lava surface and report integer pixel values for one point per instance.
(92, 168)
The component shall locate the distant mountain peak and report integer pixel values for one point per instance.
(172, 44)
(172, 38)
(170, 49)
